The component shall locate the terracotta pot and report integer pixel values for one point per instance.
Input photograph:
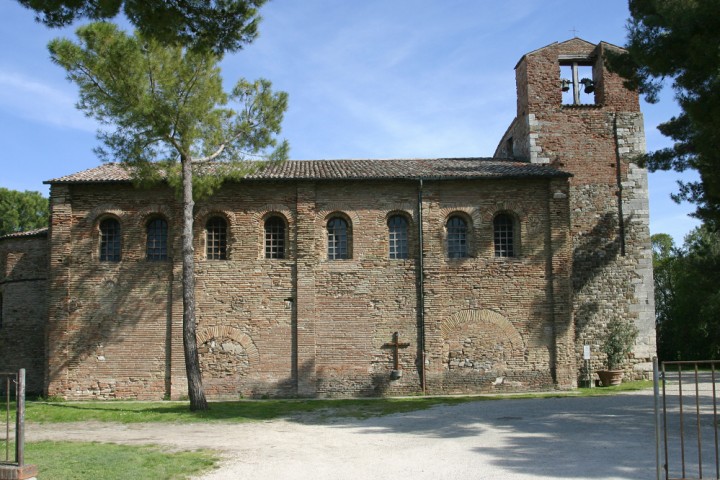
(610, 377)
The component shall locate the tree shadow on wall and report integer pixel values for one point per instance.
(24, 291)
(595, 250)
(117, 317)
(593, 253)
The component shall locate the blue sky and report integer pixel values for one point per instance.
(366, 79)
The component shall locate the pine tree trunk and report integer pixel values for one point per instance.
(196, 393)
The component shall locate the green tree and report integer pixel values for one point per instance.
(167, 105)
(22, 211)
(678, 40)
(665, 258)
(217, 25)
(664, 254)
(687, 296)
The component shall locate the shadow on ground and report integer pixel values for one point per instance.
(589, 437)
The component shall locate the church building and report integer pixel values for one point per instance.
(356, 277)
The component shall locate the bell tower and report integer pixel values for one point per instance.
(575, 115)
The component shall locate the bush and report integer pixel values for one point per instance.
(618, 343)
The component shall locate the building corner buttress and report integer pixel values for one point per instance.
(59, 240)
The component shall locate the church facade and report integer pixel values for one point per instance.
(355, 277)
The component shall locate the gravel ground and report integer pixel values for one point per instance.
(567, 438)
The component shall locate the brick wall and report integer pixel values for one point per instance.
(23, 307)
(597, 143)
(307, 325)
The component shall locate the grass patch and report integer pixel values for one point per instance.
(80, 461)
(257, 410)
(235, 411)
(623, 387)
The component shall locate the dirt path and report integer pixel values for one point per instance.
(568, 438)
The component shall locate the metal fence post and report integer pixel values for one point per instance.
(656, 391)
(20, 420)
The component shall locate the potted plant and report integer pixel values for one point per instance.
(618, 343)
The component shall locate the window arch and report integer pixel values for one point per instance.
(457, 237)
(398, 237)
(110, 235)
(274, 237)
(504, 235)
(216, 239)
(156, 244)
(339, 237)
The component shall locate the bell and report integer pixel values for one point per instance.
(588, 84)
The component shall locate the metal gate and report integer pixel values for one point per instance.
(13, 388)
(686, 420)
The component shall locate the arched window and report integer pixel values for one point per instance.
(504, 235)
(156, 246)
(109, 240)
(398, 237)
(338, 234)
(457, 245)
(274, 237)
(216, 239)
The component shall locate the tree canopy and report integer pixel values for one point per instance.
(687, 296)
(166, 104)
(217, 25)
(22, 211)
(678, 41)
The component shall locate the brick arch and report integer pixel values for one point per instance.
(484, 318)
(324, 215)
(278, 208)
(233, 333)
(144, 214)
(104, 210)
(207, 211)
(406, 209)
(510, 207)
(472, 213)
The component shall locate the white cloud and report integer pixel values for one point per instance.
(30, 99)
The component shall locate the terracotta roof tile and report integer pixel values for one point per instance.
(435, 169)
(38, 232)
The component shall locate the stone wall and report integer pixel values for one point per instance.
(597, 143)
(306, 325)
(23, 306)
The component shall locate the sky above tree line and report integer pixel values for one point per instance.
(371, 79)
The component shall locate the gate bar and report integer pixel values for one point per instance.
(656, 394)
(20, 420)
(715, 421)
(7, 418)
(682, 422)
(697, 416)
(665, 430)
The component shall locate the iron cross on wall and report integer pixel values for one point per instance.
(396, 346)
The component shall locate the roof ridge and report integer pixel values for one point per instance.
(353, 169)
(26, 233)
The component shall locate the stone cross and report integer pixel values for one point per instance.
(396, 346)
